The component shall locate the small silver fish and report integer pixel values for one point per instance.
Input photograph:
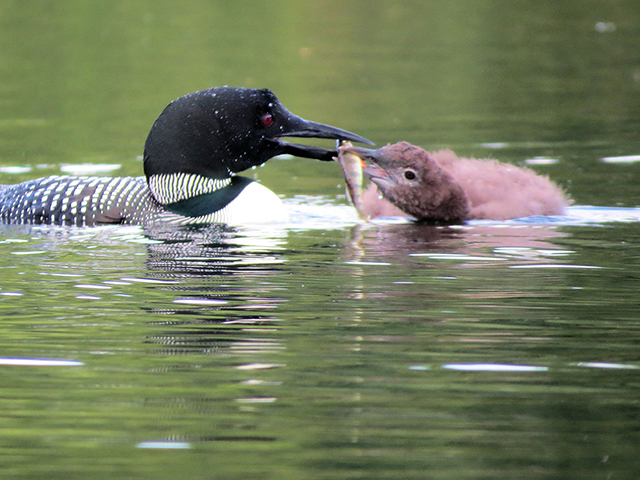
(353, 176)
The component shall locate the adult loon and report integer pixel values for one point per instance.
(191, 155)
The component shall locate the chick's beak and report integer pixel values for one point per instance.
(374, 162)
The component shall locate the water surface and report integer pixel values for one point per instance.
(327, 347)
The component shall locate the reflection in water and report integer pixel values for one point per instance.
(210, 249)
(500, 240)
(223, 280)
(222, 276)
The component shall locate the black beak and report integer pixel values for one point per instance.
(295, 126)
(364, 153)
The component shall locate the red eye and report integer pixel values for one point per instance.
(267, 120)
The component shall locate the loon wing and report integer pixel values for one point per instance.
(69, 200)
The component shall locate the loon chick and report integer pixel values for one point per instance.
(191, 155)
(443, 188)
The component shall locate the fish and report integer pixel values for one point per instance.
(352, 169)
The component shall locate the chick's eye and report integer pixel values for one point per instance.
(409, 174)
(267, 120)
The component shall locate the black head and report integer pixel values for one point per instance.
(223, 130)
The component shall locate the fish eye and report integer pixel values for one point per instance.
(267, 120)
(409, 174)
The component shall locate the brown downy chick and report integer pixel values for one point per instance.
(443, 188)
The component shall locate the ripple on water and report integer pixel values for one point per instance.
(15, 169)
(199, 301)
(40, 362)
(554, 265)
(164, 445)
(89, 168)
(622, 159)
(605, 365)
(493, 367)
(456, 256)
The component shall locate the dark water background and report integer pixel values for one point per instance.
(327, 348)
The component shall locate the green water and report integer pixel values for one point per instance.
(326, 348)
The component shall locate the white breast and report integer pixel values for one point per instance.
(255, 204)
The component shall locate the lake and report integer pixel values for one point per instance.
(327, 347)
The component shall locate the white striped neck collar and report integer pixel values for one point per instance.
(174, 187)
